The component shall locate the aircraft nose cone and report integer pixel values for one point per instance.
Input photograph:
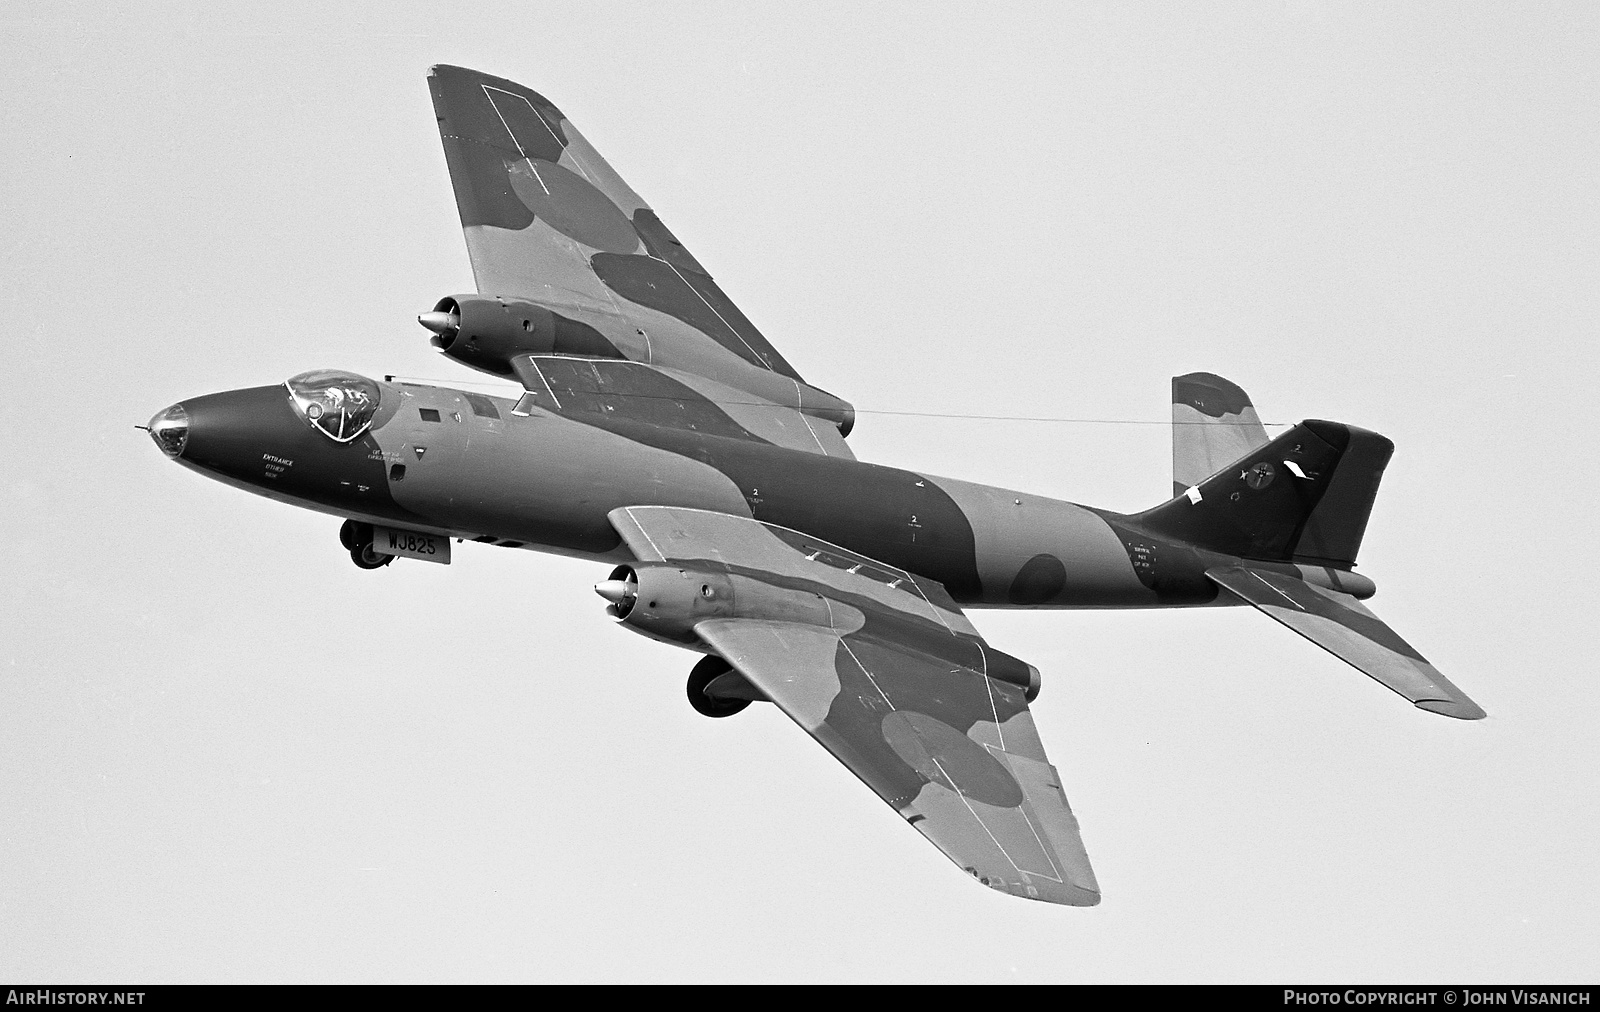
(170, 430)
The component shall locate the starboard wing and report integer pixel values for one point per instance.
(548, 220)
(900, 688)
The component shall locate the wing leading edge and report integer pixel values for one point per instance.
(899, 687)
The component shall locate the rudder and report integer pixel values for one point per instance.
(1302, 497)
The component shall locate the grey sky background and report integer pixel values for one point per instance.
(228, 755)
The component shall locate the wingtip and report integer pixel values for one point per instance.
(1045, 890)
(1061, 893)
(1068, 895)
(1084, 898)
(1461, 709)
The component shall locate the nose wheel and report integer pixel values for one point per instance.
(357, 537)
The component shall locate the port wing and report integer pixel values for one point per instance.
(900, 688)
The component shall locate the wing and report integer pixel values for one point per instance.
(616, 393)
(547, 220)
(900, 687)
(1343, 626)
(1213, 425)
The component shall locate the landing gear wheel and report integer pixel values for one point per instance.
(353, 534)
(357, 537)
(711, 667)
(366, 558)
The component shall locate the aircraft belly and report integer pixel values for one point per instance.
(549, 481)
(545, 480)
(1045, 553)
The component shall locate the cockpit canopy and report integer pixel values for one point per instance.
(340, 404)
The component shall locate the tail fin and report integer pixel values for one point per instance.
(1302, 497)
(1213, 424)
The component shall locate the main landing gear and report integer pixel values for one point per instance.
(357, 537)
(703, 695)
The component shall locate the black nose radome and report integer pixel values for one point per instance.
(170, 430)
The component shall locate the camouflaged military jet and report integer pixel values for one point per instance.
(660, 433)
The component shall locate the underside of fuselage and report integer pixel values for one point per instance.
(479, 468)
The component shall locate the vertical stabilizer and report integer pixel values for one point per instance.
(1213, 425)
(1303, 497)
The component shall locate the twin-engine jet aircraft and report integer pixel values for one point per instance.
(660, 433)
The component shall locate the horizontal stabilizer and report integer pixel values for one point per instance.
(1343, 626)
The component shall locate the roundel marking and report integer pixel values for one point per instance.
(1260, 476)
(942, 755)
(1039, 580)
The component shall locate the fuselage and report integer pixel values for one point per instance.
(466, 465)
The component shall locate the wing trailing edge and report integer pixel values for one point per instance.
(999, 813)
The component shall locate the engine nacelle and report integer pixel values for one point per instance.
(666, 602)
(486, 331)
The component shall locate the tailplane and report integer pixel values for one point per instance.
(1292, 512)
(1340, 624)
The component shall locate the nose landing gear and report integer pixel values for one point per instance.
(357, 537)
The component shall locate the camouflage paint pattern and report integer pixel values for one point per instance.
(1342, 625)
(1213, 425)
(547, 219)
(659, 429)
(513, 478)
(892, 679)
